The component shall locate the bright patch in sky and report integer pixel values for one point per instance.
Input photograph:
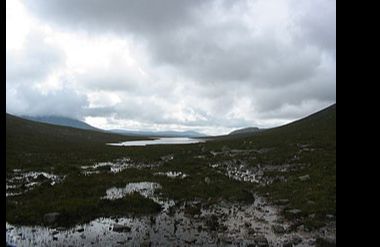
(210, 66)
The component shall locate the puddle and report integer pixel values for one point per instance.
(172, 174)
(232, 225)
(22, 182)
(163, 141)
(238, 170)
(146, 189)
(121, 165)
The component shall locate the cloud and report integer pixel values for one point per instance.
(33, 82)
(216, 63)
(118, 15)
(34, 62)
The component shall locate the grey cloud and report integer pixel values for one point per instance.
(34, 62)
(29, 101)
(126, 16)
(30, 66)
(213, 52)
(318, 20)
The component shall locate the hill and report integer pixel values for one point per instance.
(190, 134)
(34, 142)
(62, 121)
(294, 164)
(245, 131)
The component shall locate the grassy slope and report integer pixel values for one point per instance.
(315, 196)
(31, 144)
(65, 151)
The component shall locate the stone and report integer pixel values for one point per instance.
(146, 244)
(278, 229)
(296, 240)
(287, 244)
(167, 158)
(304, 178)
(121, 228)
(51, 218)
(260, 173)
(225, 149)
(261, 241)
(251, 231)
(283, 201)
(330, 216)
(294, 211)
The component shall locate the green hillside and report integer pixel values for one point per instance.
(30, 143)
(307, 146)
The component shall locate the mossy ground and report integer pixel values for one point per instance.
(77, 198)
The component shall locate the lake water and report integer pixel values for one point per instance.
(159, 141)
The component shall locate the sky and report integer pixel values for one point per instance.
(206, 65)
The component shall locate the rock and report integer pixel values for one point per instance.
(152, 220)
(207, 180)
(283, 201)
(225, 149)
(190, 241)
(287, 243)
(167, 158)
(261, 241)
(304, 178)
(146, 244)
(330, 216)
(260, 173)
(212, 223)
(301, 228)
(121, 228)
(278, 229)
(51, 218)
(294, 211)
(296, 240)
(251, 231)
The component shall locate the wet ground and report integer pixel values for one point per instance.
(223, 224)
(159, 141)
(185, 223)
(22, 181)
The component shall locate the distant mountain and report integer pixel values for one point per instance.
(74, 123)
(192, 134)
(62, 121)
(248, 130)
(28, 136)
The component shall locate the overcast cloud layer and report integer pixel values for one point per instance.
(211, 66)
